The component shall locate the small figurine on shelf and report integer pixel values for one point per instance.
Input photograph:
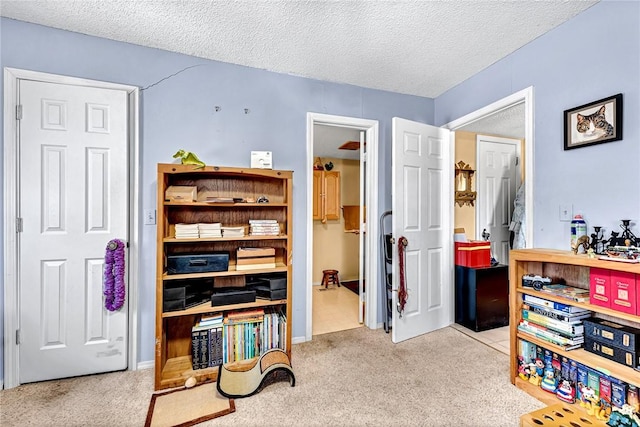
(623, 417)
(523, 369)
(534, 377)
(582, 242)
(566, 392)
(549, 382)
(189, 158)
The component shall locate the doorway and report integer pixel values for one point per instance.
(366, 236)
(337, 156)
(512, 117)
(52, 118)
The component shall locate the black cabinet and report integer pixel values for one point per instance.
(482, 297)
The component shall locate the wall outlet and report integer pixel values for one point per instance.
(149, 217)
(566, 212)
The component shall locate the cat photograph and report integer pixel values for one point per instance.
(593, 126)
(599, 121)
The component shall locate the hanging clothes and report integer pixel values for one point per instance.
(517, 226)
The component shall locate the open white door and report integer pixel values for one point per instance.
(421, 201)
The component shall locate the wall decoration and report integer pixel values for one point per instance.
(593, 123)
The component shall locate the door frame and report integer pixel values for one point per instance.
(524, 96)
(371, 250)
(11, 178)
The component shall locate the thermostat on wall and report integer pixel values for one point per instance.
(261, 159)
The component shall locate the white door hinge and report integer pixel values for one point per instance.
(18, 112)
(19, 225)
(17, 336)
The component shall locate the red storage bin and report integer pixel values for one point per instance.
(623, 291)
(600, 287)
(474, 253)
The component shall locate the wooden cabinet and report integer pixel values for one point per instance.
(574, 269)
(482, 297)
(326, 195)
(173, 364)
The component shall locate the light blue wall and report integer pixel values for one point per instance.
(179, 113)
(599, 181)
(593, 56)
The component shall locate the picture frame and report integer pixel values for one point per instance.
(593, 123)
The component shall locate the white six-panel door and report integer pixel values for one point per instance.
(73, 200)
(498, 178)
(421, 203)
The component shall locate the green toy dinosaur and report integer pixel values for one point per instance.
(189, 158)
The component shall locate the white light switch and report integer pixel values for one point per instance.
(149, 217)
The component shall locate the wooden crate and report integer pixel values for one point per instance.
(559, 415)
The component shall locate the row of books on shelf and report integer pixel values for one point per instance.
(557, 323)
(602, 394)
(217, 339)
(257, 227)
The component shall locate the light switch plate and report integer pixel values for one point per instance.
(261, 160)
(565, 212)
(149, 216)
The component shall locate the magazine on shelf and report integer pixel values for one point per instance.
(565, 291)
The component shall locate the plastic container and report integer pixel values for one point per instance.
(578, 229)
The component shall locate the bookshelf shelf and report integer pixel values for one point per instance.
(207, 308)
(575, 269)
(173, 348)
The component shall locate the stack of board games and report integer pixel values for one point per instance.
(557, 323)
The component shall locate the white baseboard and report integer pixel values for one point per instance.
(298, 340)
(147, 364)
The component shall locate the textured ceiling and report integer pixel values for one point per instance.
(407, 46)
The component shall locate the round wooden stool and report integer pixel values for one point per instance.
(330, 277)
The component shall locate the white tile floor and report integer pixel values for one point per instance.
(334, 309)
(497, 338)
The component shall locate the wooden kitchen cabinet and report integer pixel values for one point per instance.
(326, 195)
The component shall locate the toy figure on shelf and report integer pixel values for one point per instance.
(566, 392)
(549, 382)
(582, 242)
(587, 395)
(623, 417)
(523, 369)
(534, 377)
(189, 158)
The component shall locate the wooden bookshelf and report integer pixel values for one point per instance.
(173, 364)
(575, 270)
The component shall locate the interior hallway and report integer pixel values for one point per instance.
(334, 309)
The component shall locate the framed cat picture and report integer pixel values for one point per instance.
(593, 123)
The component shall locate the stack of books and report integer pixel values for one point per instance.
(207, 342)
(557, 323)
(208, 230)
(233, 231)
(255, 258)
(264, 227)
(187, 231)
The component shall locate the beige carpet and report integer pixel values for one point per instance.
(187, 406)
(351, 378)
